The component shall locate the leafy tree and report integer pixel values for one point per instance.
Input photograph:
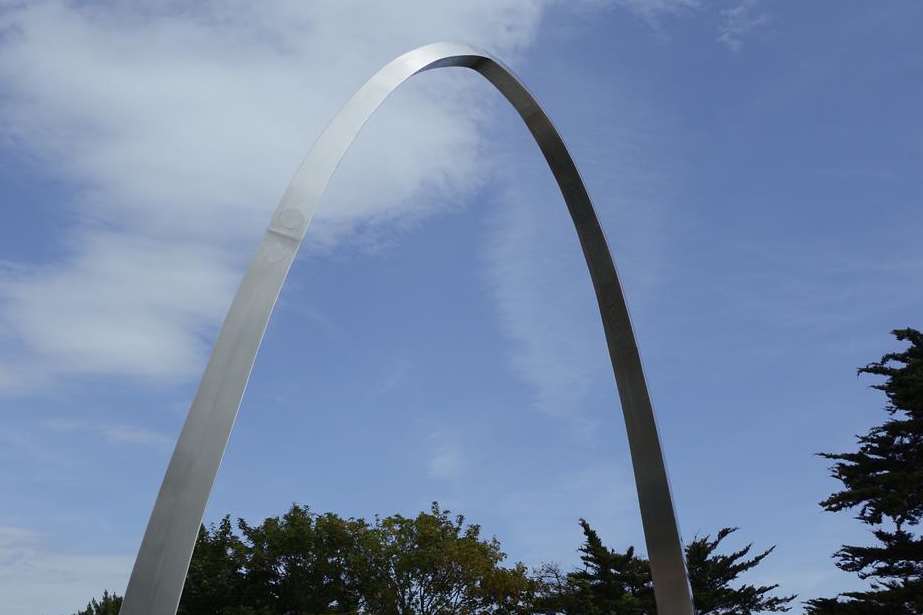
(613, 583)
(301, 563)
(109, 604)
(436, 565)
(214, 581)
(883, 482)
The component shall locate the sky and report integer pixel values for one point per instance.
(755, 164)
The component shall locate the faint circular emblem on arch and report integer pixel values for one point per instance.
(291, 220)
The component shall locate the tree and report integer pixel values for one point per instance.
(109, 604)
(883, 482)
(609, 583)
(711, 575)
(433, 564)
(613, 583)
(301, 563)
(214, 581)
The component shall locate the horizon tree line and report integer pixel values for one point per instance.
(305, 563)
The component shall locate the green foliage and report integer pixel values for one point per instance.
(303, 563)
(711, 575)
(883, 482)
(109, 604)
(884, 478)
(434, 564)
(214, 581)
(613, 583)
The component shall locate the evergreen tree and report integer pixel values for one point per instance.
(711, 575)
(610, 583)
(616, 582)
(883, 482)
(613, 583)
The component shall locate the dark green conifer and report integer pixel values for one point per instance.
(883, 483)
(613, 583)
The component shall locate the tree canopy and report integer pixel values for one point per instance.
(108, 604)
(304, 563)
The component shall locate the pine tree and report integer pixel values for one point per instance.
(610, 583)
(613, 583)
(711, 574)
(883, 481)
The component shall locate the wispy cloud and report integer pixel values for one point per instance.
(394, 374)
(446, 456)
(136, 435)
(120, 303)
(36, 579)
(115, 434)
(652, 11)
(536, 271)
(739, 21)
(545, 301)
(178, 131)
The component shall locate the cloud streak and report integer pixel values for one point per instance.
(653, 11)
(114, 434)
(739, 21)
(545, 300)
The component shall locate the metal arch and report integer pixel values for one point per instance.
(159, 573)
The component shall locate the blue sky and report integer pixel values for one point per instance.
(756, 167)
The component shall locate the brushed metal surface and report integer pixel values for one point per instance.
(159, 573)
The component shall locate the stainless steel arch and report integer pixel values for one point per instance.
(159, 573)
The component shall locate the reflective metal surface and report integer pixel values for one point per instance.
(160, 570)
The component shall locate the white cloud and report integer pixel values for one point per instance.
(124, 434)
(35, 579)
(739, 21)
(179, 127)
(120, 303)
(653, 10)
(114, 434)
(545, 300)
(446, 459)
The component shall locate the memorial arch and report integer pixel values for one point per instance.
(159, 573)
